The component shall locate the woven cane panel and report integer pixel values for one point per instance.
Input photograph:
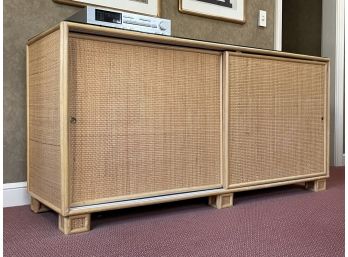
(44, 175)
(148, 119)
(275, 119)
(44, 151)
(78, 223)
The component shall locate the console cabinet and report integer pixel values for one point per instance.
(118, 119)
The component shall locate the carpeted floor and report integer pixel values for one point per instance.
(283, 221)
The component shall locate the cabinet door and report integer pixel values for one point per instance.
(277, 119)
(146, 119)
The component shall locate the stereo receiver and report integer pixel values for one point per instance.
(122, 20)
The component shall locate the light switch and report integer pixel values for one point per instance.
(262, 18)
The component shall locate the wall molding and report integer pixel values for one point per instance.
(278, 24)
(15, 194)
(339, 85)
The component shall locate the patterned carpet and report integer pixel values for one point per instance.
(284, 221)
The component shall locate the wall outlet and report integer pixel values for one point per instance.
(262, 18)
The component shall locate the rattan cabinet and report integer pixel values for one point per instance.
(118, 119)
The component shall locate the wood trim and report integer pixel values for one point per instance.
(221, 201)
(65, 224)
(44, 202)
(274, 181)
(275, 184)
(326, 117)
(327, 110)
(148, 195)
(79, 4)
(43, 34)
(275, 58)
(144, 201)
(316, 185)
(37, 207)
(138, 43)
(70, 2)
(65, 192)
(225, 118)
(214, 17)
(222, 174)
(125, 34)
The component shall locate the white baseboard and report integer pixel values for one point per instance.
(15, 194)
(344, 159)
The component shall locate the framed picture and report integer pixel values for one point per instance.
(229, 10)
(150, 7)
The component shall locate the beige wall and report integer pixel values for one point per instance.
(25, 18)
(248, 34)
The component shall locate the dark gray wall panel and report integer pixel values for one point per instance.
(302, 26)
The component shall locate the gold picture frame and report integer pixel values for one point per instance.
(135, 6)
(199, 8)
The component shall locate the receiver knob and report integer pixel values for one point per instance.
(163, 25)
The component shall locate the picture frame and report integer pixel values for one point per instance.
(227, 10)
(147, 7)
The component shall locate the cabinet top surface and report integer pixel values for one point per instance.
(169, 40)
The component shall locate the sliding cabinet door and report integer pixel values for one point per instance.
(278, 119)
(146, 119)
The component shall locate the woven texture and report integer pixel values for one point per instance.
(44, 133)
(276, 128)
(148, 119)
(276, 222)
(77, 223)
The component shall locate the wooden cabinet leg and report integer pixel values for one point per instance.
(316, 185)
(74, 224)
(221, 201)
(37, 206)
